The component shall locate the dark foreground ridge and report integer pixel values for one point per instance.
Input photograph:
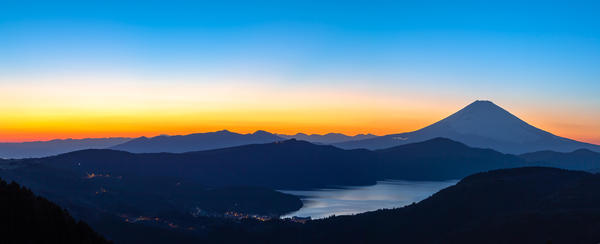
(26, 218)
(522, 205)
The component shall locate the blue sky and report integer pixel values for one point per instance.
(522, 54)
(469, 40)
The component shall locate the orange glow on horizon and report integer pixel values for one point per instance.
(349, 122)
(98, 109)
(286, 123)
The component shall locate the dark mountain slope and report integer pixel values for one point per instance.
(195, 142)
(26, 218)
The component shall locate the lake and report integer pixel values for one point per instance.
(322, 203)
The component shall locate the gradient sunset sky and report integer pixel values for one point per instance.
(76, 69)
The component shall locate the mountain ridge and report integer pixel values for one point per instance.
(195, 142)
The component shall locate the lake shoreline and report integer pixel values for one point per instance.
(347, 200)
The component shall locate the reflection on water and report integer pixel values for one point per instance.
(351, 200)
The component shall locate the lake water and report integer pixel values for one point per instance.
(322, 203)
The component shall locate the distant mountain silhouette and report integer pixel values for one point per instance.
(522, 205)
(26, 218)
(195, 142)
(581, 159)
(54, 147)
(328, 138)
(481, 124)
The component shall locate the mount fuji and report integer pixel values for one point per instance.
(480, 124)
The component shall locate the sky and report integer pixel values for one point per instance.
(77, 69)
